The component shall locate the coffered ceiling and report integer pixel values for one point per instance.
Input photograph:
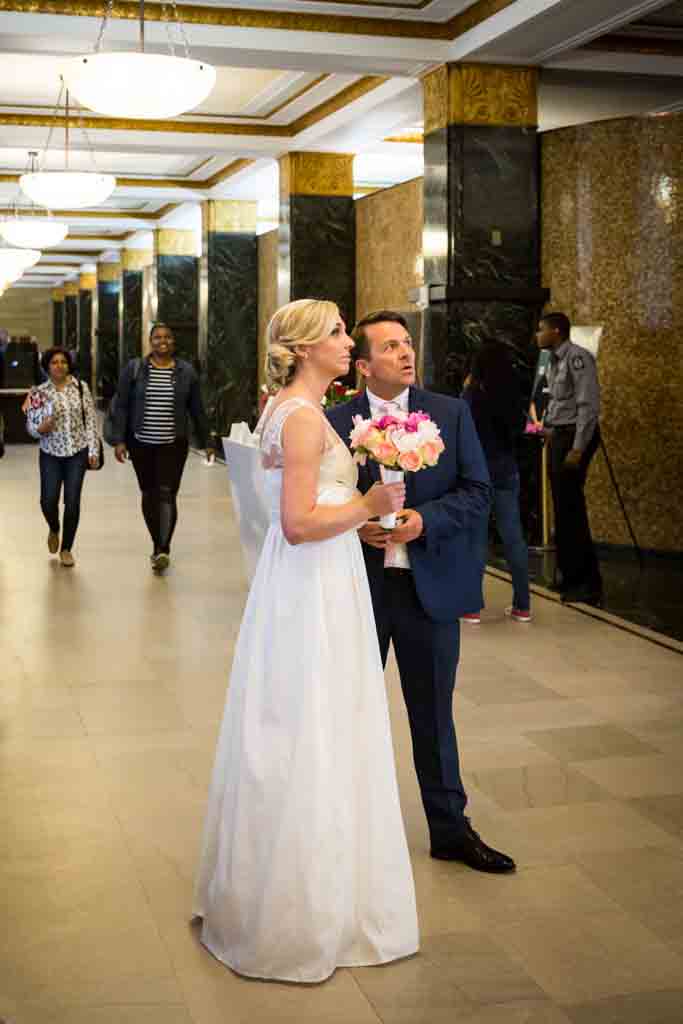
(337, 75)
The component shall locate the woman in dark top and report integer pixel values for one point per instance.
(155, 399)
(493, 394)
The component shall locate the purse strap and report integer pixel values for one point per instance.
(80, 391)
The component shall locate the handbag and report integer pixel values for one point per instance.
(100, 455)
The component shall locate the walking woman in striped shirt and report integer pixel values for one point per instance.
(156, 398)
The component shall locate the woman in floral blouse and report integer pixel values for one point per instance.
(61, 415)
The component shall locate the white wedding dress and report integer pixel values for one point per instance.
(304, 865)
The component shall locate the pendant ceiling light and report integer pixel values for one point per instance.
(140, 84)
(13, 262)
(31, 227)
(67, 189)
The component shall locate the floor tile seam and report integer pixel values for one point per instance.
(660, 639)
(363, 994)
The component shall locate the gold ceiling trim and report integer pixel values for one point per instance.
(104, 237)
(276, 109)
(640, 45)
(417, 137)
(108, 214)
(234, 17)
(330, 106)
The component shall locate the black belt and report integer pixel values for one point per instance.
(393, 570)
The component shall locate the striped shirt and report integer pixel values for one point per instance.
(158, 423)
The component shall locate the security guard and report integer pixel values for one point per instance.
(572, 430)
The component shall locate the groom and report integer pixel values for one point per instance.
(424, 574)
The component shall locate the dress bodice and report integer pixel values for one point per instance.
(338, 475)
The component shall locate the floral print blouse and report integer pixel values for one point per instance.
(69, 435)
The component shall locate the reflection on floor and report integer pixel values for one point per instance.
(651, 596)
(113, 683)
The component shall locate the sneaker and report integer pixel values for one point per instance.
(517, 615)
(474, 618)
(67, 559)
(160, 562)
(53, 542)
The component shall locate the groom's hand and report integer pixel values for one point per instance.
(374, 535)
(409, 528)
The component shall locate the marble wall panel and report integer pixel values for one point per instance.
(388, 247)
(229, 376)
(132, 315)
(107, 337)
(267, 292)
(612, 243)
(71, 322)
(178, 301)
(57, 322)
(322, 251)
(85, 313)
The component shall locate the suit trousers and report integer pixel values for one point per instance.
(576, 557)
(427, 654)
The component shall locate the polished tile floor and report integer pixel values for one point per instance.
(113, 684)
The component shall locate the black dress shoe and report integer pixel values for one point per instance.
(471, 849)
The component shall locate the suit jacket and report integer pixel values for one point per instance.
(452, 498)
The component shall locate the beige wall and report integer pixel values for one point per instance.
(28, 311)
(267, 292)
(388, 247)
(613, 255)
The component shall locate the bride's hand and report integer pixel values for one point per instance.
(382, 499)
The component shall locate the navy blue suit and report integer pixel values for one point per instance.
(419, 611)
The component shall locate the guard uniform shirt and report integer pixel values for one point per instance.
(574, 392)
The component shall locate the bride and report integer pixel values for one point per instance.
(304, 865)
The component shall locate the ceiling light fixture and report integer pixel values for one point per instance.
(30, 227)
(67, 189)
(140, 84)
(13, 262)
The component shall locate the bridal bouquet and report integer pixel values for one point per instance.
(401, 442)
(39, 408)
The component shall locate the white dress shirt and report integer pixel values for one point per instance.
(396, 555)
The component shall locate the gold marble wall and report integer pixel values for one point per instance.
(612, 255)
(28, 311)
(388, 247)
(267, 292)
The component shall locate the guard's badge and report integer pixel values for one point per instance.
(577, 362)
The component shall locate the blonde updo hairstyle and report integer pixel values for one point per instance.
(298, 324)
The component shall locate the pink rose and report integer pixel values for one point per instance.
(387, 421)
(431, 451)
(410, 462)
(385, 453)
(371, 439)
(412, 423)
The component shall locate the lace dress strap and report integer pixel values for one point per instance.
(271, 426)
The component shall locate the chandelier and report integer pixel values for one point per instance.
(140, 84)
(67, 189)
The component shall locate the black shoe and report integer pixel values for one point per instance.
(471, 849)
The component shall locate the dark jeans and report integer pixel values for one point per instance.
(427, 654)
(505, 502)
(159, 469)
(576, 556)
(68, 470)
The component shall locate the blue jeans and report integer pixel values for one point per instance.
(505, 503)
(68, 470)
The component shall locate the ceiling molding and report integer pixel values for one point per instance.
(644, 45)
(106, 214)
(342, 99)
(416, 138)
(233, 17)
